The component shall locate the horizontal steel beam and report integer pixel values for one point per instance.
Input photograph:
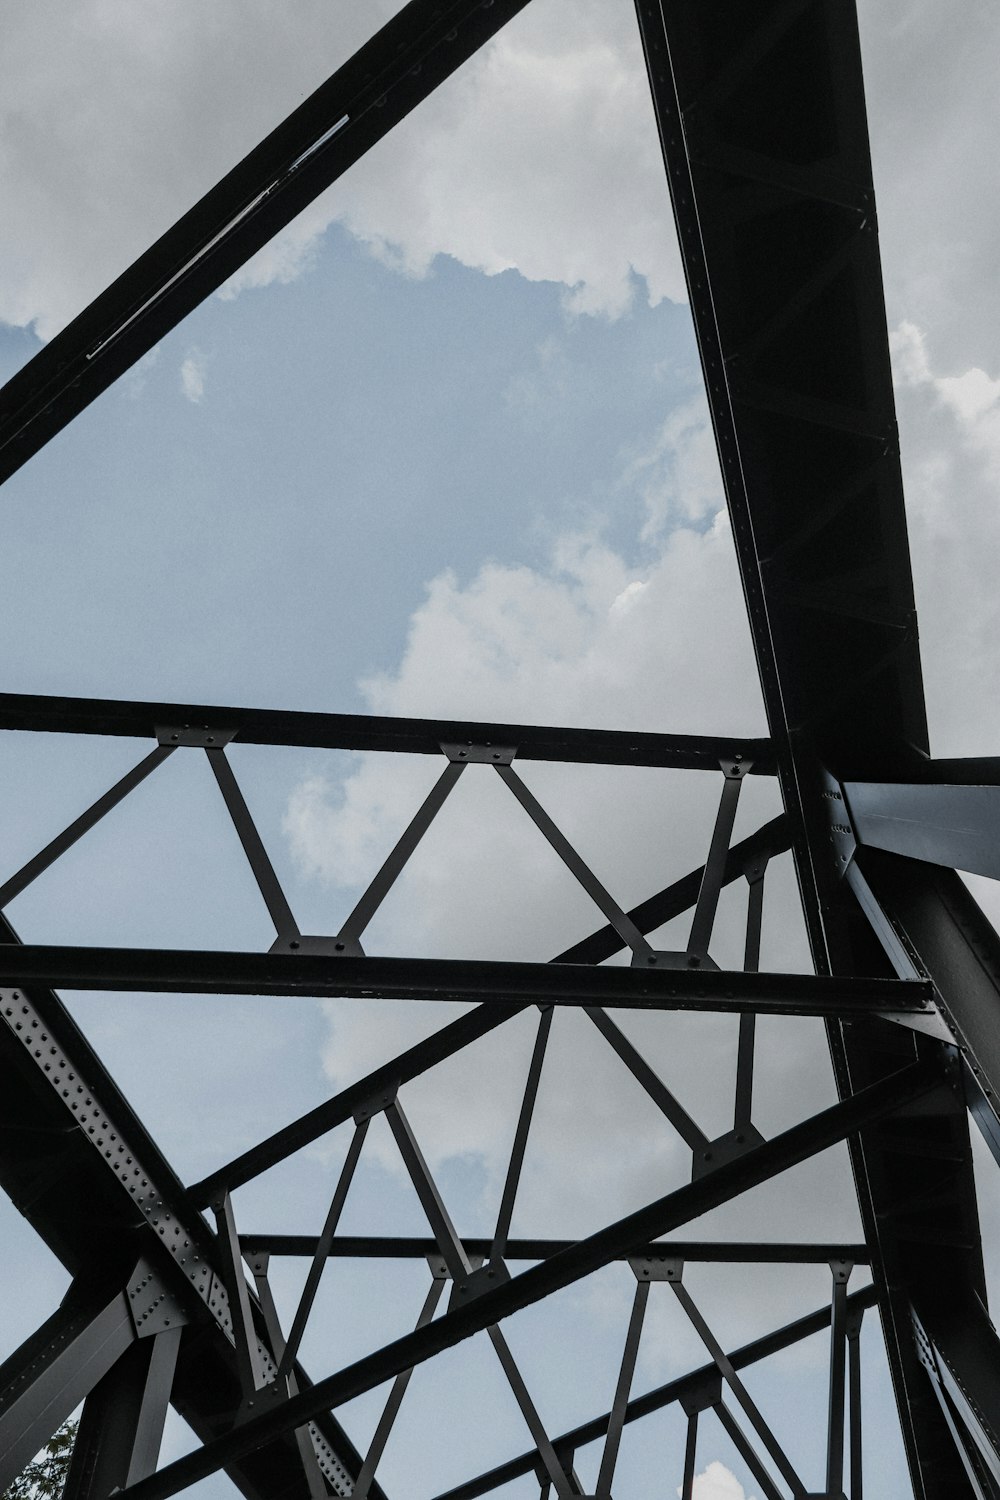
(205, 972)
(727, 1181)
(402, 1247)
(963, 770)
(274, 726)
(423, 44)
(664, 1395)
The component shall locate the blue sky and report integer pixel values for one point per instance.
(443, 451)
(351, 435)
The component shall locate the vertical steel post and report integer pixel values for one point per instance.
(118, 1441)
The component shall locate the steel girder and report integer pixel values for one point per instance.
(189, 724)
(690, 1388)
(490, 1304)
(761, 116)
(172, 971)
(762, 120)
(77, 1162)
(204, 1275)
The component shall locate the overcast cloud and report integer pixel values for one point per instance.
(114, 123)
(539, 155)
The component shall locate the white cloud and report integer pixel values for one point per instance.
(716, 1482)
(934, 111)
(950, 441)
(540, 154)
(678, 476)
(119, 114)
(588, 639)
(193, 376)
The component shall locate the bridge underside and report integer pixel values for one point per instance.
(761, 117)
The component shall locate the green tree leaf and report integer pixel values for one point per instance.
(45, 1477)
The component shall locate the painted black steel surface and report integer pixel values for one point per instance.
(762, 121)
(257, 726)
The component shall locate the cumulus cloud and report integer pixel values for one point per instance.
(950, 438)
(118, 116)
(718, 1483)
(678, 475)
(540, 154)
(949, 422)
(587, 639)
(934, 111)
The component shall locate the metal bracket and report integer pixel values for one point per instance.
(930, 1021)
(480, 755)
(737, 768)
(657, 1267)
(376, 1103)
(662, 959)
(725, 1148)
(154, 1309)
(705, 1395)
(841, 1271)
(331, 947)
(196, 736)
(481, 1278)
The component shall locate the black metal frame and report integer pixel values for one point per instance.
(760, 111)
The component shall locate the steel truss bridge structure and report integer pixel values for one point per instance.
(761, 115)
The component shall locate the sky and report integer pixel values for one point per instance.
(442, 449)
